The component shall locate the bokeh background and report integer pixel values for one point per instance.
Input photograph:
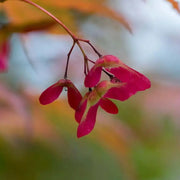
(141, 142)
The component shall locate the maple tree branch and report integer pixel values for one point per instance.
(52, 16)
(75, 39)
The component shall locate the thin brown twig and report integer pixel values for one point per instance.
(68, 57)
(88, 42)
(75, 39)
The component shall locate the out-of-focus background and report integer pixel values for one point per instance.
(141, 142)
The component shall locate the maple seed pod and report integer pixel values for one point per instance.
(54, 91)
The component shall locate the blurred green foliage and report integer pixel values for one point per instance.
(37, 160)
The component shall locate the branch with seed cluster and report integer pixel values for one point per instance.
(124, 82)
(75, 39)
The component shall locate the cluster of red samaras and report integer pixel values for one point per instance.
(124, 82)
(4, 55)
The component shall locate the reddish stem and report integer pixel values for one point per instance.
(91, 61)
(75, 39)
(56, 19)
(88, 42)
(67, 63)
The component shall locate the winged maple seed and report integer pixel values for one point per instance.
(120, 73)
(54, 91)
(123, 82)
